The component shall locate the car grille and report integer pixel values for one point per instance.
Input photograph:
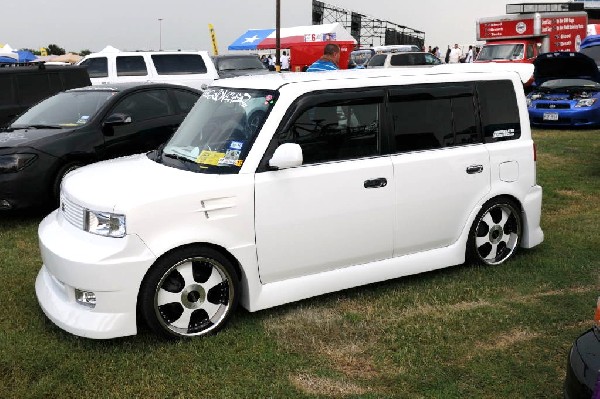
(72, 212)
(553, 106)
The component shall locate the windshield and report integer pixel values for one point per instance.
(501, 52)
(360, 57)
(228, 64)
(217, 134)
(65, 109)
(562, 84)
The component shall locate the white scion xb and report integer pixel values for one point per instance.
(281, 187)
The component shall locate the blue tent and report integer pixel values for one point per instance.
(25, 56)
(250, 39)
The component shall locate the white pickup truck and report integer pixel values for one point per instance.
(188, 68)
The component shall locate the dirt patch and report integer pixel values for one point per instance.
(313, 385)
(507, 340)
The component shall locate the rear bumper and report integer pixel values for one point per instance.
(532, 215)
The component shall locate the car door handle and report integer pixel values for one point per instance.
(376, 183)
(474, 169)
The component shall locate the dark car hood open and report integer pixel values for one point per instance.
(28, 137)
(550, 66)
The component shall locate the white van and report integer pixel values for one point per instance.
(281, 187)
(188, 68)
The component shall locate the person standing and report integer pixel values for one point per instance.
(455, 54)
(469, 55)
(285, 62)
(329, 61)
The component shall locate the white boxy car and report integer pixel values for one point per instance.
(281, 187)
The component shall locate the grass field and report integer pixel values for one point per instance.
(462, 332)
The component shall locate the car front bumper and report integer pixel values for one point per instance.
(579, 117)
(111, 268)
(583, 367)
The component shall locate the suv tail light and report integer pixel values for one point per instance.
(534, 152)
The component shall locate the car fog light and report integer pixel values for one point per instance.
(85, 298)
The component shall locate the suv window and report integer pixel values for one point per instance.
(426, 117)
(377, 60)
(337, 130)
(178, 64)
(131, 66)
(97, 67)
(499, 111)
(145, 105)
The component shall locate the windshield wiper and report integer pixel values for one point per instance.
(37, 126)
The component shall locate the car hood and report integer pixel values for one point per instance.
(127, 183)
(551, 66)
(28, 137)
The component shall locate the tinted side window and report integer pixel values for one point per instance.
(499, 111)
(178, 64)
(336, 131)
(377, 60)
(429, 117)
(145, 105)
(185, 99)
(131, 66)
(97, 67)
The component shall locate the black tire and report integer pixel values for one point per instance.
(496, 232)
(62, 172)
(189, 292)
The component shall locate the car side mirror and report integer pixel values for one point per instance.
(117, 119)
(287, 155)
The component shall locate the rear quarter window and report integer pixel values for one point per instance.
(179, 64)
(499, 111)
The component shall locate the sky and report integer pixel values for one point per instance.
(77, 25)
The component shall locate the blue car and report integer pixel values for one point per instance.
(566, 91)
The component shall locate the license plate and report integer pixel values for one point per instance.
(550, 116)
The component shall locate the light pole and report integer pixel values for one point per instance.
(160, 34)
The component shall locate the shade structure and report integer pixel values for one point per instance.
(256, 39)
(305, 42)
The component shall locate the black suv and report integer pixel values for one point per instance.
(23, 86)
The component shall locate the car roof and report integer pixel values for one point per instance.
(274, 81)
(235, 56)
(124, 86)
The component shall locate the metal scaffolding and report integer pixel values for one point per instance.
(367, 31)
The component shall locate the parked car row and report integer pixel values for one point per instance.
(80, 126)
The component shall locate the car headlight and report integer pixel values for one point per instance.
(528, 102)
(585, 102)
(105, 224)
(15, 162)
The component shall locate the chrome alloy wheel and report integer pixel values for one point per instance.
(498, 233)
(194, 297)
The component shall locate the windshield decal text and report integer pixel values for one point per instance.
(227, 96)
